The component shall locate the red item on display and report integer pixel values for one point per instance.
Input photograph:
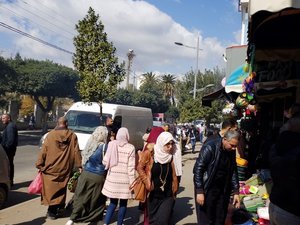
(262, 221)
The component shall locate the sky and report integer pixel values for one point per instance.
(149, 28)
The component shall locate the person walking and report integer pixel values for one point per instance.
(157, 170)
(227, 124)
(31, 122)
(142, 168)
(120, 162)
(285, 166)
(193, 133)
(88, 201)
(59, 155)
(215, 178)
(10, 142)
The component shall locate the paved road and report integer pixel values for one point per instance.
(25, 209)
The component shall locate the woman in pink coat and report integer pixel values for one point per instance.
(120, 162)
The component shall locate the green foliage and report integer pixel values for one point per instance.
(168, 82)
(152, 94)
(191, 109)
(95, 60)
(8, 77)
(45, 79)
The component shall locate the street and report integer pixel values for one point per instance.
(25, 209)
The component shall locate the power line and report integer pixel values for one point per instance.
(25, 18)
(47, 21)
(34, 38)
(61, 20)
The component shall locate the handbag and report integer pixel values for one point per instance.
(36, 185)
(139, 189)
(72, 183)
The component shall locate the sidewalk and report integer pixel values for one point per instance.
(33, 213)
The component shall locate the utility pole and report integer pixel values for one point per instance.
(130, 56)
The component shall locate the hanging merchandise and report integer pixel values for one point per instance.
(246, 100)
(230, 109)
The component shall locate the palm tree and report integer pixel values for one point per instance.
(169, 81)
(149, 78)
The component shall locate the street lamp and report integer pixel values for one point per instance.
(197, 50)
(203, 88)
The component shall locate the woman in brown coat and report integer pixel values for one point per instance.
(157, 170)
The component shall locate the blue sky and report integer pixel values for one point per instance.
(149, 27)
(219, 19)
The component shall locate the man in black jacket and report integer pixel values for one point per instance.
(9, 142)
(215, 179)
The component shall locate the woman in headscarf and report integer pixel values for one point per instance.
(88, 201)
(149, 144)
(120, 162)
(157, 168)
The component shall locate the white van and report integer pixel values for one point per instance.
(83, 118)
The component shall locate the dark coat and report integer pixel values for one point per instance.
(10, 138)
(206, 166)
(285, 167)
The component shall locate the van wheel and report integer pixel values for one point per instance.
(3, 196)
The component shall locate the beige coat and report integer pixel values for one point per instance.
(59, 155)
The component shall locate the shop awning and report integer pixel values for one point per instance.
(235, 80)
(219, 94)
(272, 29)
(271, 6)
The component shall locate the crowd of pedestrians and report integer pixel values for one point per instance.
(109, 164)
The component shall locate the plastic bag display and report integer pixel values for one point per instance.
(36, 185)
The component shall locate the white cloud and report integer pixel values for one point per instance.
(129, 24)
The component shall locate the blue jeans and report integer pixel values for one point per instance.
(111, 209)
(279, 216)
(201, 137)
(193, 143)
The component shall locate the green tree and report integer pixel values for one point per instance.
(168, 82)
(8, 77)
(149, 79)
(191, 109)
(95, 60)
(44, 81)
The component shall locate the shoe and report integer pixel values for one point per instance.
(70, 222)
(51, 216)
(60, 213)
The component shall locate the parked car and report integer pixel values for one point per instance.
(4, 177)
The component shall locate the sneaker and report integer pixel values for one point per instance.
(70, 222)
(51, 216)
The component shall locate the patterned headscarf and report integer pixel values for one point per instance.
(98, 137)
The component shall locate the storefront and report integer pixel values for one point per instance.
(272, 85)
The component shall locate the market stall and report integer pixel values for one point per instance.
(271, 86)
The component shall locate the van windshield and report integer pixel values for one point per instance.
(85, 122)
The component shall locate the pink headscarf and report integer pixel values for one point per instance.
(111, 156)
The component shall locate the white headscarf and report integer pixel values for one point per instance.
(98, 137)
(160, 155)
(164, 157)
